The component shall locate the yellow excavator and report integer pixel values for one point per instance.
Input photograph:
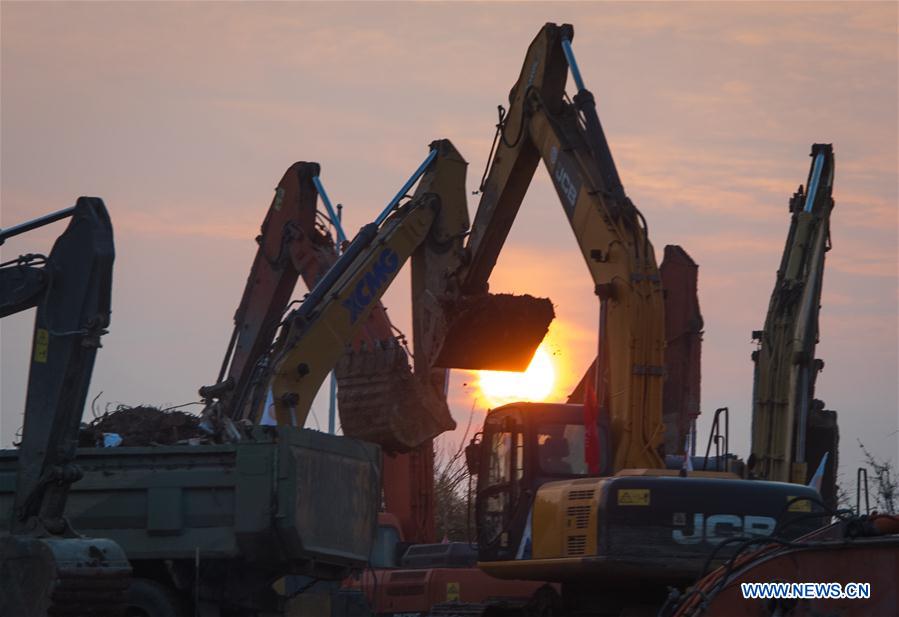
(279, 385)
(579, 494)
(785, 363)
(855, 555)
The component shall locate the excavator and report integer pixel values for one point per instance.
(297, 240)
(47, 568)
(381, 400)
(280, 383)
(579, 494)
(784, 409)
(853, 549)
(341, 324)
(442, 579)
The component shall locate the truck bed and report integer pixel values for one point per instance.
(292, 500)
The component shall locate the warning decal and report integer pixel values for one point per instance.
(41, 345)
(633, 497)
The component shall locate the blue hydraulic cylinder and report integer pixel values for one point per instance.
(415, 176)
(341, 237)
(572, 64)
(814, 182)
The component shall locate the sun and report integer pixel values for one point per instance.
(534, 384)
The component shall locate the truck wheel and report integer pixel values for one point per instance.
(147, 598)
(544, 603)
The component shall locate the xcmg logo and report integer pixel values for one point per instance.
(371, 282)
(719, 527)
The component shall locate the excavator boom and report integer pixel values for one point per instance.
(316, 334)
(294, 242)
(379, 400)
(683, 350)
(45, 566)
(610, 231)
(785, 363)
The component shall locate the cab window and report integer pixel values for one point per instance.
(560, 449)
(504, 472)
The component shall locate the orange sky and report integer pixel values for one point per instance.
(184, 116)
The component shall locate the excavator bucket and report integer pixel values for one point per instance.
(495, 332)
(380, 398)
(381, 401)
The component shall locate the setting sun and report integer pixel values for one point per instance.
(534, 384)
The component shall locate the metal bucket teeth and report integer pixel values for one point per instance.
(381, 401)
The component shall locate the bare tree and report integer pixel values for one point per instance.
(885, 480)
(451, 486)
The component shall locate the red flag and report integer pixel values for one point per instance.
(591, 428)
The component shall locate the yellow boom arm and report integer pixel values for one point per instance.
(316, 335)
(610, 231)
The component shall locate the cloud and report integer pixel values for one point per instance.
(183, 117)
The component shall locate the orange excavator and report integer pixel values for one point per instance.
(297, 240)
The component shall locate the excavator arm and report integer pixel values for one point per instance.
(315, 336)
(683, 350)
(294, 242)
(71, 289)
(785, 363)
(380, 399)
(430, 229)
(611, 233)
(45, 566)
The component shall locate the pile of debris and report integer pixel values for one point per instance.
(142, 426)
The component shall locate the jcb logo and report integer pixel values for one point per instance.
(719, 527)
(565, 183)
(371, 282)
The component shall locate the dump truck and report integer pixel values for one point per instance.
(213, 526)
(161, 530)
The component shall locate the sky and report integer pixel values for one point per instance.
(183, 117)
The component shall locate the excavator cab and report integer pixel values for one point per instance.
(541, 514)
(523, 446)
